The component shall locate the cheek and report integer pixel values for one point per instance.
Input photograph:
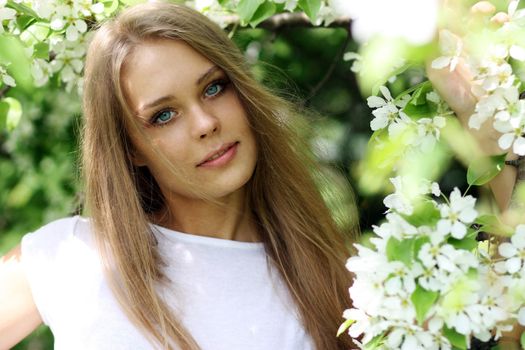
(168, 154)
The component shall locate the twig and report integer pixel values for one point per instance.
(4, 90)
(330, 70)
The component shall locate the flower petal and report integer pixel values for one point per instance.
(517, 52)
(505, 141)
(8, 80)
(378, 123)
(507, 250)
(521, 316)
(519, 146)
(385, 92)
(441, 62)
(513, 265)
(459, 230)
(375, 102)
(395, 337)
(468, 215)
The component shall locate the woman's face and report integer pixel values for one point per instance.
(188, 110)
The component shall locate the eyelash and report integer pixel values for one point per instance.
(221, 81)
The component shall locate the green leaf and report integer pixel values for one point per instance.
(423, 300)
(468, 242)
(344, 326)
(456, 339)
(407, 91)
(420, 95)
(375, 342)
(110, 6)
(14, 113)
(41, 50)
(395, 72)
(247, 8)
(400, 250)
(418, 106)
(522, 340)
(492, 224)
(425, 213)
(132, 2)
(482, 170)
(22, 9)
(420, 111)
(25, 21)
(263, 12)
(310, 7)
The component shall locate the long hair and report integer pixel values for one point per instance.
(301, 240)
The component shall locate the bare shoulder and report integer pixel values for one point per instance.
(19, 315)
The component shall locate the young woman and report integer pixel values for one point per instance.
(205, 229)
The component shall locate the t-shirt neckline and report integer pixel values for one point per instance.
(206, 240)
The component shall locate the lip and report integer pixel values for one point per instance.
(229, 149)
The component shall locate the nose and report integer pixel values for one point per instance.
(204, 122)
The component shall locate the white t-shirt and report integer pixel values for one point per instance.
(224, 293)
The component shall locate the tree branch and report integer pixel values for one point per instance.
(330, 70)
(291, 20)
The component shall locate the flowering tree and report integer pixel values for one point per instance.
(423, 281)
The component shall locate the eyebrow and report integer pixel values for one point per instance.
(165, 98)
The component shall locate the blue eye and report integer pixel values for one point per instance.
(214, 88)
(163, 117)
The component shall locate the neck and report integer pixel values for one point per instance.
(227, 218)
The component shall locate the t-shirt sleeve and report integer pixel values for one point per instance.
(40, 251)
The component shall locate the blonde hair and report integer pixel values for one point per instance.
(299, 235)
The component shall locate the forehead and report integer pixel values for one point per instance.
(160, 67)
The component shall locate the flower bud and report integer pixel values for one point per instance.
(500, 18)
(483, 8)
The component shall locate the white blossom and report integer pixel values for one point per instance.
(456, 215)
(402, 198)
(387, 113)
(459, 309)
(428, 130)
(443, 264)
(5, 77)
(398, 308)
(410, 337)
(521, 316)
(513, 105)
(488, 105)
(396, 227)
(41, 71)
(451, 47)
(402, 278)
(357, 63)
(428, 187)
(500, 76)
(361, 321)
(325, 15)
(6, 14)
(514, 251)
(289, 5)
(513, 133)
(368, 262)
(436, 191)
(368, 294)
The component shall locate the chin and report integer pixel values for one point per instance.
(232, 187)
